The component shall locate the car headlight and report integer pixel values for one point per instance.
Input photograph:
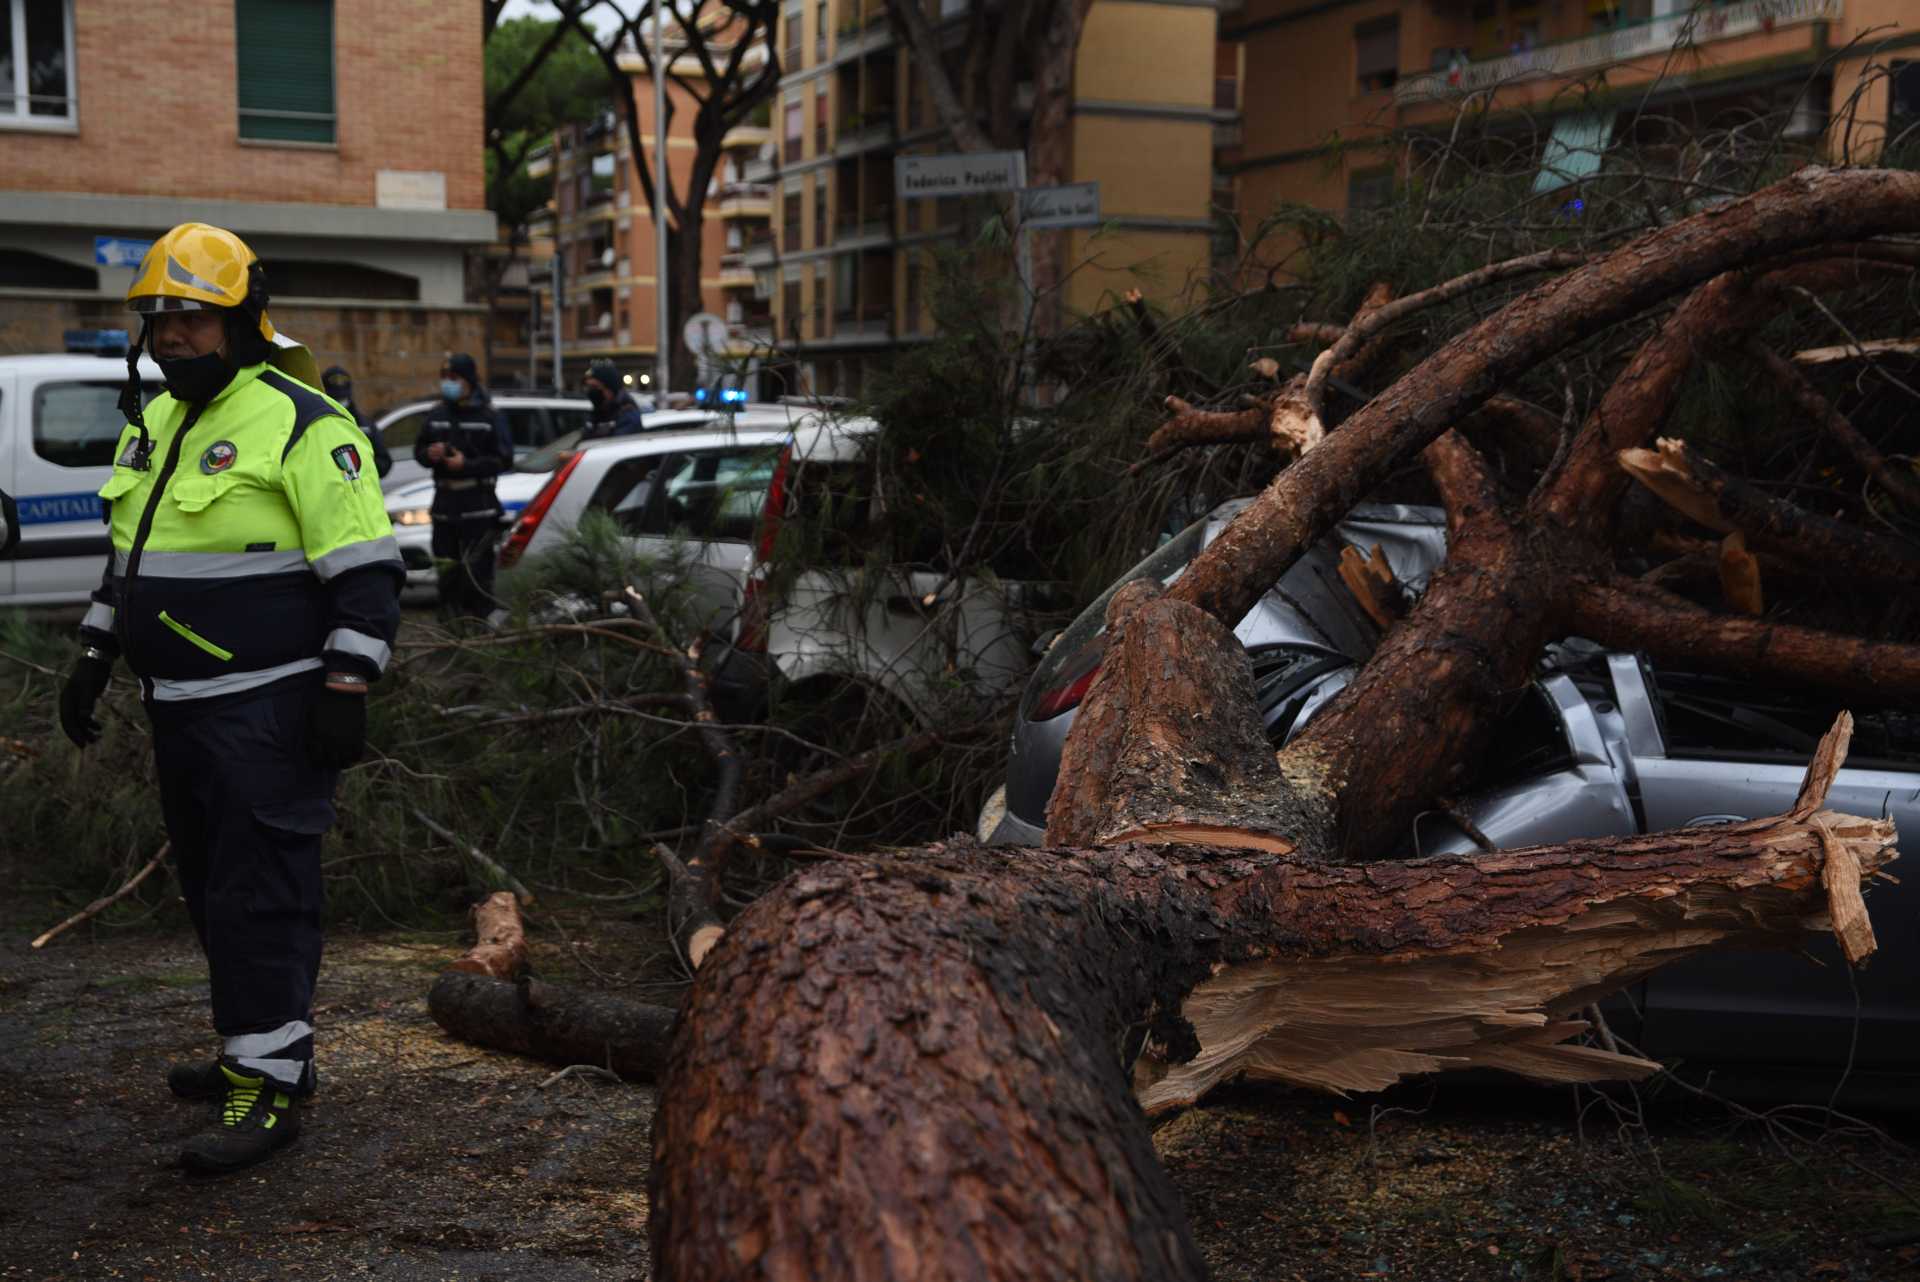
(412, 516)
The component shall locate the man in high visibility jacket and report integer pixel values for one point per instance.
(253, 589)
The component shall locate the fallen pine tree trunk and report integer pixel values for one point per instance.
(927, 1066)
(488, 999)
(554, 1023)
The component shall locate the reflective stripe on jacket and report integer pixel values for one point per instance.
(256, 546)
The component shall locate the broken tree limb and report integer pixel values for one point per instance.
(551, 1023)
(1371, 319)
(1625, 614)
(105, 902)
(966, 1005)
(692, 920)
(1374, 587)
(1190, 762)
(1897, 478)
(500, 942)
(1740, 576)
(1310, 496)
(492, 867)
(1707, 494)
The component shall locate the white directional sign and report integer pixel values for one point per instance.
(118, 251)
(705, 333)
(1074, 205)
(962, 174)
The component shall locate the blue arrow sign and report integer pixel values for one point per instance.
(118, 251)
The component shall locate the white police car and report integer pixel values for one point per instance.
(59, 424)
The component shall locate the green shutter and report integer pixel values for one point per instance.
(286, 69)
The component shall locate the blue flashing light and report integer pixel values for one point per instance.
(1574, 208)
(700, 395)
(733, 395)
(100, 342)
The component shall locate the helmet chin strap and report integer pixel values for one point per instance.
(130, 399)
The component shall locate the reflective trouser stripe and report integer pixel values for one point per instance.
(170, 689)
(383, 550)
(253, 1045)
(99, 617)
(256, 1052)
(213, 565)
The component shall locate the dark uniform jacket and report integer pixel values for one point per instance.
(479, 432)
(622, 419)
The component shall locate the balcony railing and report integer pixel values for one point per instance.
(1604, 48)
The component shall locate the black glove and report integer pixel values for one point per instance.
(336, 729)
(83, 689)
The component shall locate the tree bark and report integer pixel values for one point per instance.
(919, 1066)
(1627, 615)
(500, 947)
(552, 1023)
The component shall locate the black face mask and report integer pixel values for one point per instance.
(342, 392)
(197, 379)
(598, 398)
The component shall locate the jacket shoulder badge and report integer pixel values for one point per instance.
(347, 459)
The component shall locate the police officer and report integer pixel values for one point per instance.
(614, 413)
(466, 443)
(253, 589)
(338, 384)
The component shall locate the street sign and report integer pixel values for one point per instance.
(705, 333)
(118, 251)
(960, 174)
(1074, 205)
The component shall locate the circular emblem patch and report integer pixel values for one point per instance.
(218, 458)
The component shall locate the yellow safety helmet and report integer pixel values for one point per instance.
(196, 267)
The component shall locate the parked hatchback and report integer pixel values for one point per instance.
(775, 510)
(1603, 744)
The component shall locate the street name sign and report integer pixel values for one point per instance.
(1074, 205)
(119, 251)
(959, 174)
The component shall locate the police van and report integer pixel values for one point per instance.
(59, 425)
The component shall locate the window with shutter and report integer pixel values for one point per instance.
(285, 55)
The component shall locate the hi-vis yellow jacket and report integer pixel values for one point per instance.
(253, 549)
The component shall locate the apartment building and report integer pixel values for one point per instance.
(1325, 77)
(340, 138)
(603, 231)
(847, 271)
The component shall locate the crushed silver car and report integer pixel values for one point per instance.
(1601, 744)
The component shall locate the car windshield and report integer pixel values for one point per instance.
(550, 456)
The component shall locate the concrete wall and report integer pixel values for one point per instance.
(393, 350)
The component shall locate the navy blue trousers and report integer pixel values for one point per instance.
(246, 810)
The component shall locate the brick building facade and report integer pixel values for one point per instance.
(341, 138)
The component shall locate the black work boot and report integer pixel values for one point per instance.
(257, 1117)
(205, 1081)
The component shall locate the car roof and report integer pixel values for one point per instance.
(503, 401)
(76, 365)
(661, 439)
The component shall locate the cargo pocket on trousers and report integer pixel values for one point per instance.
(287, 873)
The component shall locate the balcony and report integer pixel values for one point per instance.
(872, 229)
(743, 200)
(1605, 48)
(735, 272)
(760, 253)
(869, 321)
(758, 170)
(865, 131)
(747, 136)
(862, 35)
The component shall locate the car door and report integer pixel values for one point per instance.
(1707, 751)
(66, 433)
(695, 513)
